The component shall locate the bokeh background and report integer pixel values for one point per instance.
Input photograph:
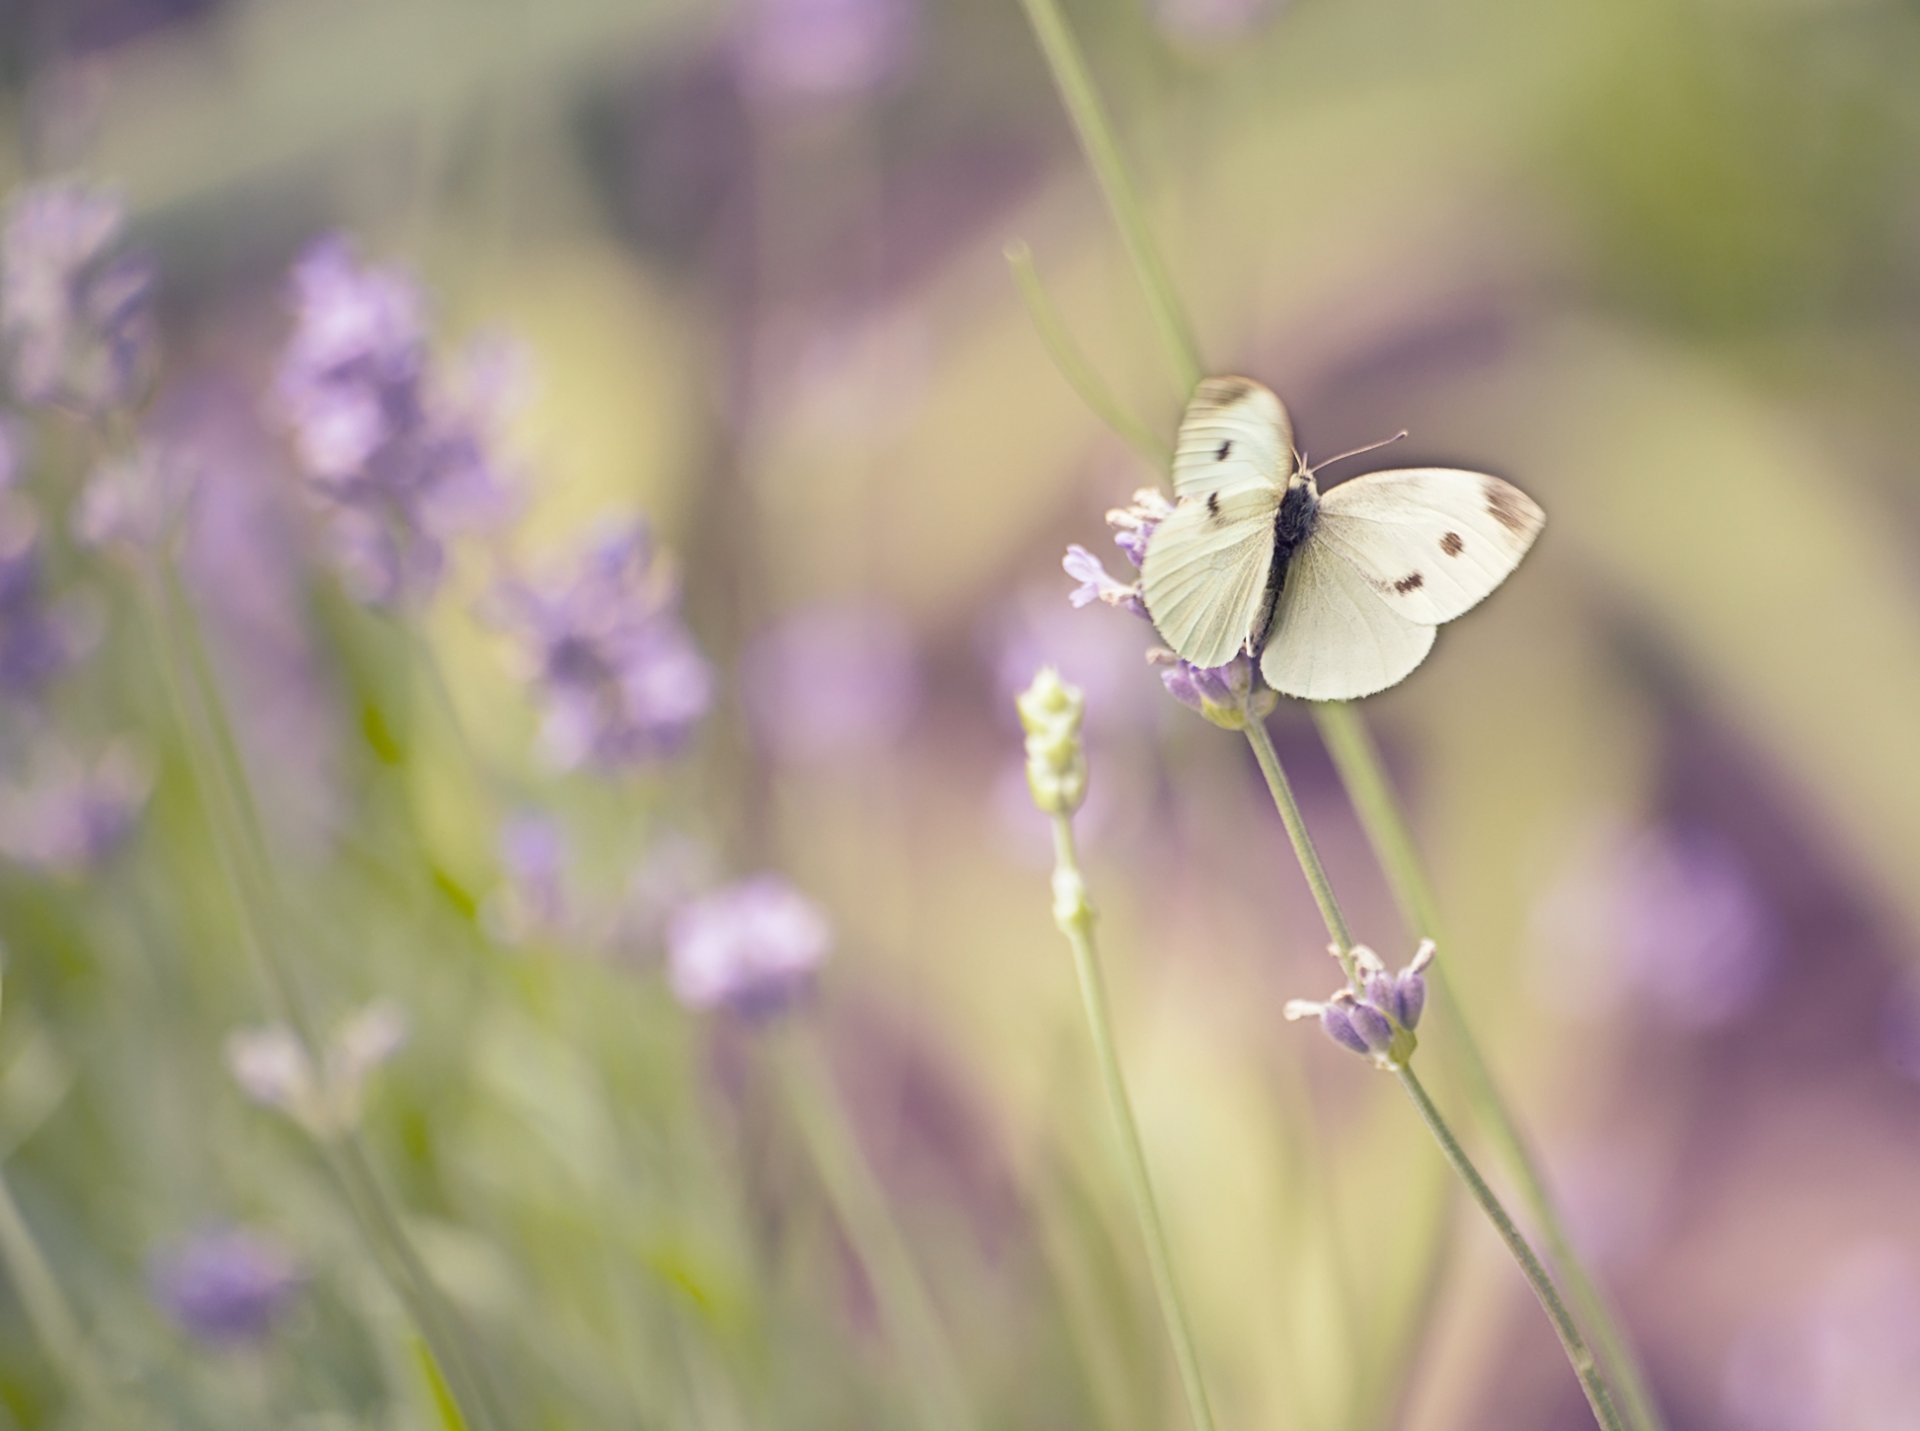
(1657, 261)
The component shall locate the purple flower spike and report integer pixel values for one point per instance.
(227, 1287)
(618, 675)
(75, 311)
(1097, 584)
(1378, 1018)
(397, 457)
(1373, 1026)
(751, 948)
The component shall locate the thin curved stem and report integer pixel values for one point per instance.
(1073, 912)
(866, 1217)
(1082, 101)
(1579, 1355)
(1364, 775)
(241, 849)
(1073, 363)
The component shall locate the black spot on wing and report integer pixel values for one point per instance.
(1213, 505)
(1451, 544)
(1223, 451)
(1503, 509)
(1413, 581)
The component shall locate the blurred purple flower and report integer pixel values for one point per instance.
(39, 638)
(69, 818)
(831, 680)
(1845, 1359)
(137, 500)
(1209, 22)
(1901, 1026)
(226, 1286)
(751, 948)
(802, 51)
(1096, 584)
(532, 897)
(398, 459)
(1665, 918)
(619, 677)
(75, 310)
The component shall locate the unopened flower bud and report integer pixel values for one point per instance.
(1051, 712)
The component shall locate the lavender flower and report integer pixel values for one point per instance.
(75, 311)
(1096, 584)
(804, 51)
(39, 639)
(397, 459)
(276, 1071)
(137, 500)
(69, 818)
(1663, 918)
(830, 681)
(751, 948)
(226, 1286)
(1378, 1018)
(620, 679)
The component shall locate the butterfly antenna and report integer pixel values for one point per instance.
(1371, 446)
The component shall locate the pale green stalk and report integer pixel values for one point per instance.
(1579, 1355)
(1073, 912)
(241, 849)
(51, 1316)
(1364, 775)
(1073, 363)
(861, 1207)
(1069, 69)
(1361, 770)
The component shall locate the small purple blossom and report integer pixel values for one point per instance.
(805, 51)
(137, 500)
(1226, 695)
(398, 458)
(75, 309)
(1663, 918)
(532, 896)
(69, 817)
(226, 1286)
(1133, 524)
(751, 948)
(1379, 1016)
(39, 638)
(1097, 584)
(617, 673)
(831, 680)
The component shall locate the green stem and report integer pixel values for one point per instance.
(51, 1316)
(1073, 363)
(1364, 775)
(241, 849)
(865, 1215)
(1578, 1353)
(1069, 69)
(1074, 914)
(1575, 1346)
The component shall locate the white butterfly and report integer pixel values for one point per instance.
(1339, 595)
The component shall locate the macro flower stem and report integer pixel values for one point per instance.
(1361, 770)
(866, 1218)
(241, 850)
(51, 1316)
(1082, 101)
(1074, 914)
(1364, 775)
(1571, 1341)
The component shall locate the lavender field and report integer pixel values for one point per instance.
(609, 818)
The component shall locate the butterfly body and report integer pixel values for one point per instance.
(1338, 595)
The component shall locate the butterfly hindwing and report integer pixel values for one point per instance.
(1235, 437)
(1432, 541)
(1205, 575)
(1333, 638)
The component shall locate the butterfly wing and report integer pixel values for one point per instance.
(1333, 638)
(1432, 541)
(1205, 575)
(1235, 437)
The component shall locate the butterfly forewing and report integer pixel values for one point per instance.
(1235, 437)
(1205, 576)
(1431, 541)
(1333, 639)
